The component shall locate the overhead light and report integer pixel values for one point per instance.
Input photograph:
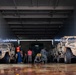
(57, 39)
(36, 40)
(44, 40)
(10, 40)
(27, 40)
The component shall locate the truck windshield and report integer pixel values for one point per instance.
(3, 46)
(72, 40)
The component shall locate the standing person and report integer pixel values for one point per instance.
(18, 55)
(25, 58)
(29, 56)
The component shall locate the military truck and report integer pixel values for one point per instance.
(66, 49)
(7, 52)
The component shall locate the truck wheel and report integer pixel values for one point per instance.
(67, 56)
(7, 58)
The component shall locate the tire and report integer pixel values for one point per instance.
(67, 56)
(7, 58)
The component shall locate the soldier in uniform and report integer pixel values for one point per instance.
(44, 55)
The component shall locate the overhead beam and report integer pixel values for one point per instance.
(36, 36)
(36, 8)
(31, 36)
(36, 29)
(36, 16)
(34, 24)
(34, 33)
(39, 22)
(27, 35)
(24, 12)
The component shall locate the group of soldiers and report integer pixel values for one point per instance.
(27, 57)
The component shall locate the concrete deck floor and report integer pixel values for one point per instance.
(38, 69)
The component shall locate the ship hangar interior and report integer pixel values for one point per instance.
(38, 24)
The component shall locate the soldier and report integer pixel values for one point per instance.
(44, 55)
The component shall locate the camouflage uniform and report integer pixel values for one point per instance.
(44, 55)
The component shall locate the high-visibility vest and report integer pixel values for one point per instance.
(29, 52)
(18, 49)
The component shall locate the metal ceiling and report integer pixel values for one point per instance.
(36, 19)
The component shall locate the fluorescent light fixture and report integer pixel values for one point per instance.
(44, 40)
(57, 39)
(10, 40)
(28, 40)
(36, 40)
(16, 40)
